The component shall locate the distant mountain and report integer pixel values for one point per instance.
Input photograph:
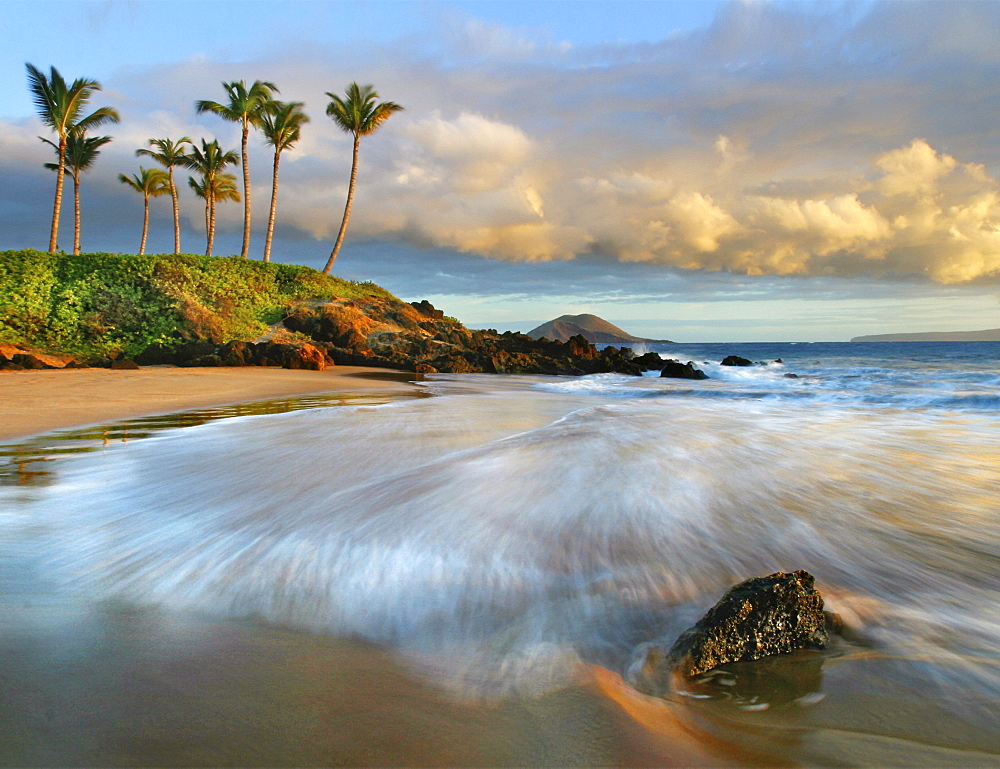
(590, 327)
(989, 335)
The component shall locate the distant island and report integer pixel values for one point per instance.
(989, 335)
(595, 330)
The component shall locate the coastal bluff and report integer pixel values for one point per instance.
(119, 310)
(590, 327)
(987, 335)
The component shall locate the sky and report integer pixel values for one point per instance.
(697, 171)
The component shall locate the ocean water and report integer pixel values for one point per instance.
(467, 577)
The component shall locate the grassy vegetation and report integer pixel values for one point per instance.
(102, 304)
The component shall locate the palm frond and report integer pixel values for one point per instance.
(214, 107)
(170, 153)
(245, 105)
(42, 91)
(221, 187)
(199, 187)
(225, 188)
(210, 158)
(97, 118)
(359, 112)
(82, 151)
(149, 182)
(282, 124)
(59, 105)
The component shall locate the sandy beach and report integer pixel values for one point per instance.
(33, 402)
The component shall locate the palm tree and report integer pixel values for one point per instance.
(61, 106)
(247, 106)
(150, 183)
(281, 126)
(169, 154)
(81, 152)
(359, 114)
(219, 187)
(210, 161)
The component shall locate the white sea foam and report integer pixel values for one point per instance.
(500, 521)
(517, 524)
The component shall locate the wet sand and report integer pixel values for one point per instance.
(33, 402)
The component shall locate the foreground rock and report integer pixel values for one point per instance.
(757, 618)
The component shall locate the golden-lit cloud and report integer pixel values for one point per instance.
(781, 140)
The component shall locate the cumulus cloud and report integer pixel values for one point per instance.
(781, 140)
(913, 170)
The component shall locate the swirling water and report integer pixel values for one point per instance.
(507, 534)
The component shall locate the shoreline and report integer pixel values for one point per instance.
(37, 402)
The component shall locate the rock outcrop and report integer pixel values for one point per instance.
(736, 360)
(417, 337)
(384, 332)
(377, 331)
(16, 358)
(756, 618)
(674, 369)
(649, 361)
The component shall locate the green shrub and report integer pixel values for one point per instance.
(103, 304)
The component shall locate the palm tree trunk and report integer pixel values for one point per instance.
(60, 172)
(145, 224)
(177, 218)
(347, 208)
(76, 212)
(274, 206)
(246, 193)
(211, 226)
(208, 229)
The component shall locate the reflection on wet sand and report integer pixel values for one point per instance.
(22, 463)
(140, 687)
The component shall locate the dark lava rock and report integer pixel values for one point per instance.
(757, 618)
(674, 369)
(371, 331)
(156, 354)
(620, 360)
(736, 360)
(237, 354)
(28, 361)
(426, 308)
(290, 355)
(202, 361)
(177, 354)
(649, 361)
(579, 347)
(16, 358)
